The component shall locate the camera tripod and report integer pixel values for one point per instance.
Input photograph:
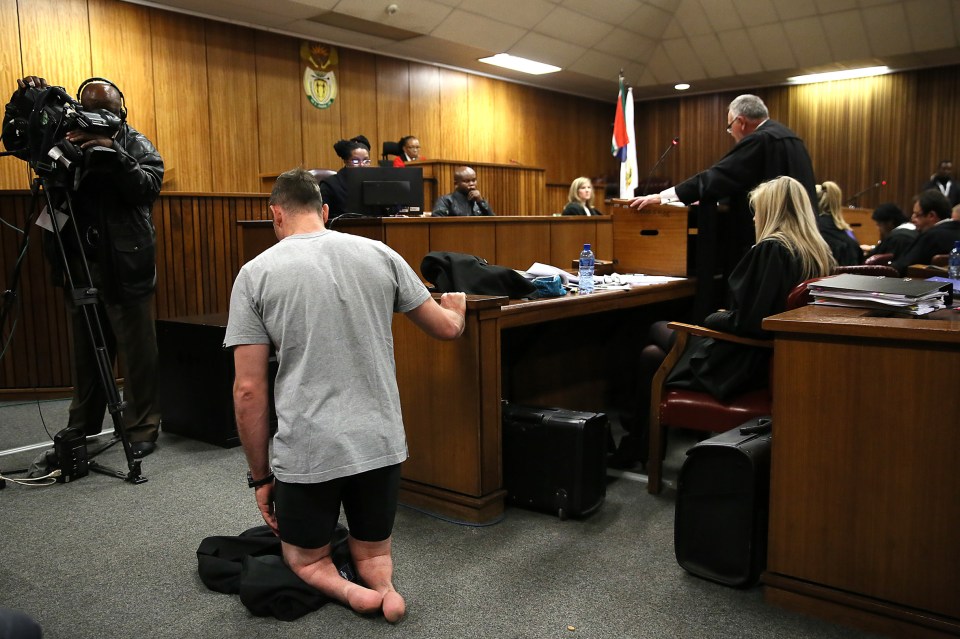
(85, 297)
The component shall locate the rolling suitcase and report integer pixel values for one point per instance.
(720, 528)
(554, 460)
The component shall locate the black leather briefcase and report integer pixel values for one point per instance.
(554, 460)
(720, 528)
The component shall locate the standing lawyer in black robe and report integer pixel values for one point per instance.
(765, 149)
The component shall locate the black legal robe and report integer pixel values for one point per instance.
(846, 250)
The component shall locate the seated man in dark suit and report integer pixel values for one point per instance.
(931, 215)
(465, 199)
(942, 181)
(896, 231)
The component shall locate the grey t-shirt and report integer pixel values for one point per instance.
(325, 301)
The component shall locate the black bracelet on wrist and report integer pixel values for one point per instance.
(259, 482)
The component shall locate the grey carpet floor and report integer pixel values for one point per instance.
(100, 558)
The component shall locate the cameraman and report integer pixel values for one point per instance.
(118, 184)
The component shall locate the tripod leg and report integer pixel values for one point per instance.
(85, 297)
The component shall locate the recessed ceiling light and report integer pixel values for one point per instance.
(517, 63)
(846, 74)
(683, 86)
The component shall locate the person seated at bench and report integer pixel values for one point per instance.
(465, 199)
(897, 233)
(789, 250)
(834, 229)
(580, 199)
(931, 215)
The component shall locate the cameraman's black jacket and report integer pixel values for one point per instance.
(112, 206)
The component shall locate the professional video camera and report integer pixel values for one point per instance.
(36, 121)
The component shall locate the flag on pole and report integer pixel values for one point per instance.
(618, 145)
(629, 180)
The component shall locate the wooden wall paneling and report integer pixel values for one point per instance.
(232, 78)
(520, 244)
(120, 48)
(425, 109)
(567, 240)
(481, 116)
(56, 49)
(460, 235)
(411, 241)
(507, 125)
(161, 222)
(556, 198)
(358, 95)
(13, 172)
(182, 100)
(393, 102)
(454, 132)
(321, 128)
(278, 108)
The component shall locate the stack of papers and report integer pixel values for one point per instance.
(913, 297)
(604, 282)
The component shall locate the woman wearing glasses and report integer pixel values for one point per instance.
(355, 153)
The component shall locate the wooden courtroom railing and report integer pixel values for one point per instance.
(197, 259)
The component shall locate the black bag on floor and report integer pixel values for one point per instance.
(723, 494)
(554, 460)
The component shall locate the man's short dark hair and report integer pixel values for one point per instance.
(934, 200)
(889, 212)
(296, 190)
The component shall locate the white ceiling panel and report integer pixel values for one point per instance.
(649, 21)
(830, 6)
(625, 43)
(684, 59)
(722, 15)
(808, 41)
(474, 30)
(661, 66)
(772, 40)
(846, 35)
(692, 18)
(756, 12)
(541, 48)
(885, 30)
(740, 52)
(794, 9)
(927, 20)
(526, 13)
(421, 16)
(586, 33)
(712, 56)
(610, 11)
(599, 65)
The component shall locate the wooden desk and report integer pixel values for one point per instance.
(655, 241)
(862, 224)
(575, 352)
(865, 493)
(512, 241)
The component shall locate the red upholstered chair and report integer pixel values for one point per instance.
(880, 258)
(868, 269)
(697, 410)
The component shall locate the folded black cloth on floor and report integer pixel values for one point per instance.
(462, 273)
(251, 565)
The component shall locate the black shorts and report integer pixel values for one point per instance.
(307, 514)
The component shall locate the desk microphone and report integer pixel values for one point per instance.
(673, 143)
(876, 185)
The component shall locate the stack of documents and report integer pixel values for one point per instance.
(608, 282)
(913, 297)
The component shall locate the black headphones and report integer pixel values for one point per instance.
(123, 104)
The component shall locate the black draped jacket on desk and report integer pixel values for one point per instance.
(759, 287)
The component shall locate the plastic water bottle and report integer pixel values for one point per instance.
(586, 270)
(953, 268)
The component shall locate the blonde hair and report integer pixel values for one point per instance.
(829, 196)
(575, 186)
(782, 212)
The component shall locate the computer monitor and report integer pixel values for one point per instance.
(381, 191)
